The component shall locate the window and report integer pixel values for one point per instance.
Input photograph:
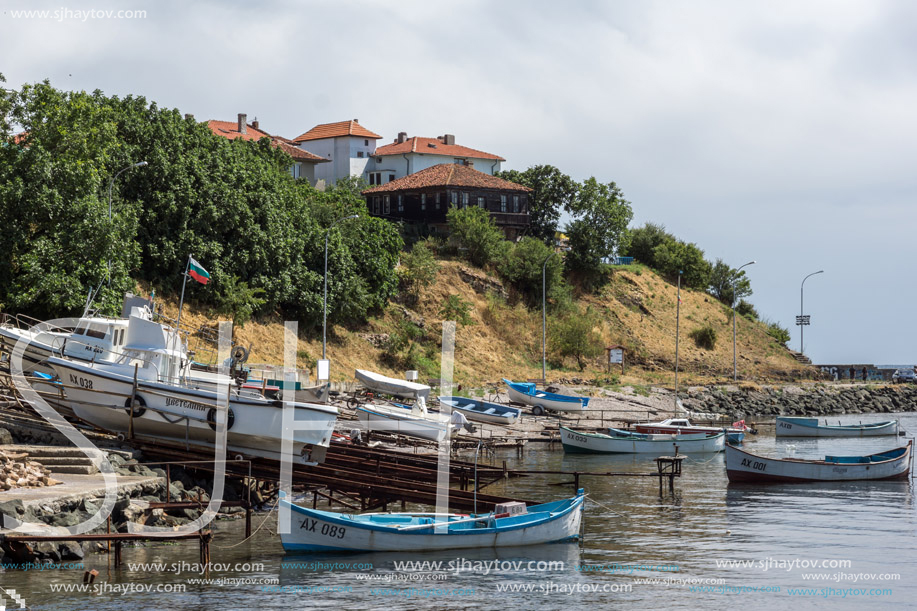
(437, 201)
(376, 204)
(366, 143)
(459, 161)
(378, 178)
(372, 179)
(386, 205)
(400, 203)
(464, 200)
(502, 203)
(515, 203)
(391, 177)
(360, 154)
(481, 202)
(453, 198)
(423, 201)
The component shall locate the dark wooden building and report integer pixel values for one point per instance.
(423, 198)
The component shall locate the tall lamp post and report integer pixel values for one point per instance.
(111, 182)
(544, 318)
(802, 318)
(735, 375)
(325, 298)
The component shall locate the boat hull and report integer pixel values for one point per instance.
(320, 531)
(660, 428)
(99, 396)
(392, 386)
(402, 421)
(557, 403)
(809, 427)
(576, 442)
(743, 467)
(482, 411)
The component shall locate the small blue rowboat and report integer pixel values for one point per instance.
(527, 393)
(313, 530)
(483, 411)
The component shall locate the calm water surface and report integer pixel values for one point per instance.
(861, 536)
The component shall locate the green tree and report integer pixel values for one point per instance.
(476, 232)
(457, 309)
(522, 268)
(574, 335)
(642, 242)
(552, 191)
(601, 216)
(418, 268)
(674, 256)
(727, 283)
(781, 334)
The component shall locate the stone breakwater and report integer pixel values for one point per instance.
(824, 400)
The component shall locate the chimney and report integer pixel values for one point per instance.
(188, 115)
(449, 139)
(243, 118)
(255, 123)
(402, 136)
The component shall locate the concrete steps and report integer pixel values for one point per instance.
(61, 460)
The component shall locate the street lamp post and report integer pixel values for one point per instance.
(802, 321)
(544, 318)
(325, 298)
(735, 375)
(111, 182)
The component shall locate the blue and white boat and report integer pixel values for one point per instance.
(313, 530)
(528, 394)
(483, 411)
(809, 427)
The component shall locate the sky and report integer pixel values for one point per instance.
(783, 132)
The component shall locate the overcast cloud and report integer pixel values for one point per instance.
(777, 131)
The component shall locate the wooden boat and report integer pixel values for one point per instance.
(392, 386)
(528, 394)
(406, 420)
(313, 530)
(483, 411)
(742, 466)
(683, 426)
(625, 442)
(809, 427)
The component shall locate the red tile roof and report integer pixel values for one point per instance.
(433, 146)
(230, 130)
(333, 130)
(447, 175)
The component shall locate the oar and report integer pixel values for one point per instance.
(435, 524)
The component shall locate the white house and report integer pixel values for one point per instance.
(409, 155)
(347, 145)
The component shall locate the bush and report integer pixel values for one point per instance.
(457, 309)
(704, 337)
(779, 333)
(574, 335)
(642, 242)
(475, 231)
(743, 308)
(675, 256)
(418, 269)
(523, 268)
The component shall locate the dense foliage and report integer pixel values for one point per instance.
(233, 205)
(552, 191)
(476, 234)
(601, 215)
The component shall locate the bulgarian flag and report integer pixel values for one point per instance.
(197, 271)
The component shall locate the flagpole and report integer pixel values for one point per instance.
(181, 302)
(677, 321)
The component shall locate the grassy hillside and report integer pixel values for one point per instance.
(636, 309)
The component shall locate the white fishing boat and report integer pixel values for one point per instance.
(624, 442)
(413, 422)
(153, 374)
(810, 427)
(392, 386)
(313, 530)
(745, 467)
(679, 426)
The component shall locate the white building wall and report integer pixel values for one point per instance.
(344, 153)
(416, 162)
